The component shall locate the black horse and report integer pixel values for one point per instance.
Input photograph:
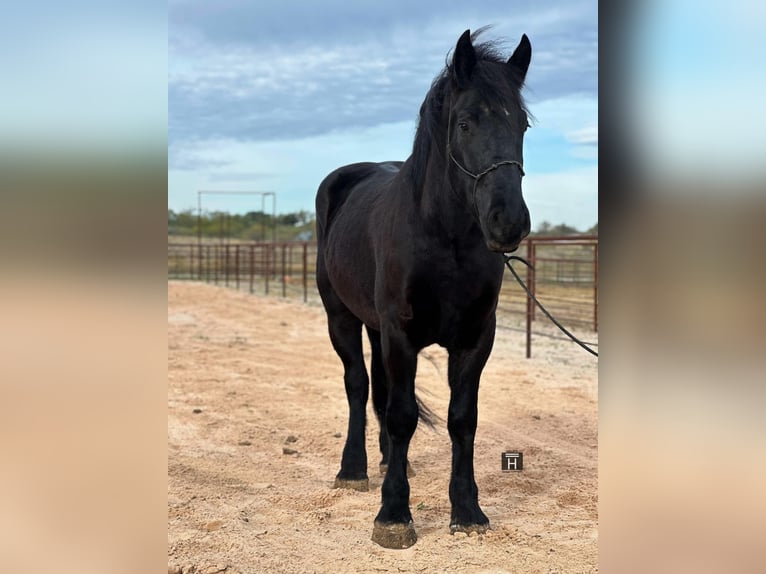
(413, 251)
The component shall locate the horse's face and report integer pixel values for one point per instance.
(486, 139)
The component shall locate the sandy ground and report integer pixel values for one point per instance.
(256, 424)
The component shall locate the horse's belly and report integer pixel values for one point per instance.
(351, 271)
(357, 301)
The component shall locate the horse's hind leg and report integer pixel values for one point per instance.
(346, 336)
(380, 399)
(379, 395)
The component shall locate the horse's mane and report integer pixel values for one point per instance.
(495, 85)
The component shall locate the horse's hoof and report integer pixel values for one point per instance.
(395, 536)
(410, 471)
(362, 485)
(469, 528)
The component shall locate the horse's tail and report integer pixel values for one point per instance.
(426, 415)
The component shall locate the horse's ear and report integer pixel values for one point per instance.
(519, 60)
(464, 60)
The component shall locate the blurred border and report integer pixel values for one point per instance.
(83, 174)
(682, 449)
(83, 292)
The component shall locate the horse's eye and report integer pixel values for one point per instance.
(463, 126)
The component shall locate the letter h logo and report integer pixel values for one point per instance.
(512, 461)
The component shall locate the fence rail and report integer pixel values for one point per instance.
(564, 275)
(286, 269)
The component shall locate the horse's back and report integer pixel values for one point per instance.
(338, 186)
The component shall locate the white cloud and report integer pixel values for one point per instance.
(569, 115)
(295, 168)
(224, 85)
(585, 142)
(292, 168)
(584, 136)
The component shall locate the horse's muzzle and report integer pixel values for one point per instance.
(497, 247)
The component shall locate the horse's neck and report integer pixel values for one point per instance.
(443, 210)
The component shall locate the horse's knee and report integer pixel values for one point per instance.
(402, 420)
(462, 421)
(357, 385)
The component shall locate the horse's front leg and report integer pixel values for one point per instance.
(465, 367)
(393, 524)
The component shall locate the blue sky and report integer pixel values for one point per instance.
(696, 90)
(272, 96)
(83, 75)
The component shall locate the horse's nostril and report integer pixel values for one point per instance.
(496, 217)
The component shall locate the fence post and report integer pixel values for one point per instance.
(215, 264)
(595, 287)
(191, 262)
(207, 264)
(236, 264)
(290, 260)
(305, 273)
(226, 265)
(529, 300)
(533, 280)
(284, 270)
(267, 264)
(199, 262)
(252, 264)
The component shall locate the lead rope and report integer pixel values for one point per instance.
(508, 259)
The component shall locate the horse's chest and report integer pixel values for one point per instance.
(453, 303)
(458, 294)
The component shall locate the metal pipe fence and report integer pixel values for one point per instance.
(285, 269)
(564, 276)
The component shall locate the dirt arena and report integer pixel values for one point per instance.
(256, 424)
